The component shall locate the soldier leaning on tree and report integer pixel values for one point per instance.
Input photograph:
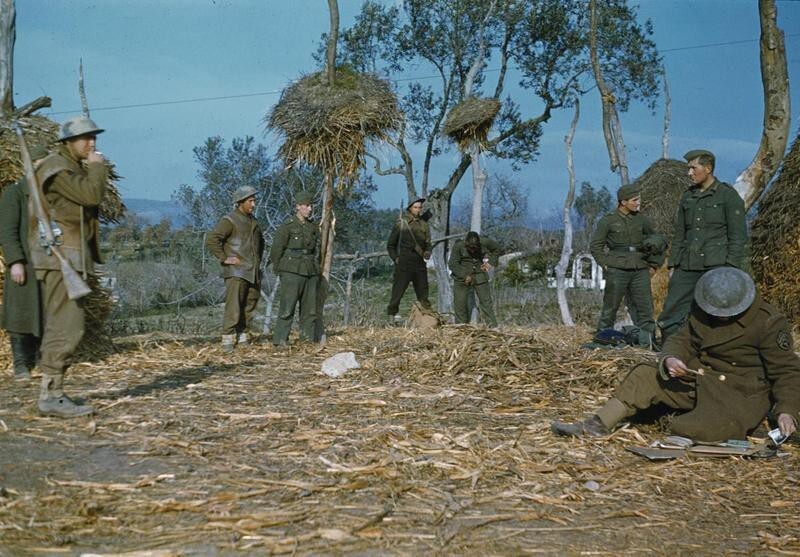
(22, 314)
(710, 231)
(295, 256)
(470, 262)
(238, 243)
(73, 192)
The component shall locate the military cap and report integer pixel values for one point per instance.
(417, 200)
(76, 127)
(724, 291)
(243, 193)
(472, 239)
(38, 152)
(694, 153)
(628, 191)
(304, 198)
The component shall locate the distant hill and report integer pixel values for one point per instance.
(152, 211)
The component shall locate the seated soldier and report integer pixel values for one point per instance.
(724, 368)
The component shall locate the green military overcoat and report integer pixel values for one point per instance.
(409, 242)
(756, 355)
(21, 303)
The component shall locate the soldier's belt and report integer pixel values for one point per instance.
(298, 251)
(629, 249)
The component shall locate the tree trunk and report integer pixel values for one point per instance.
(612, 129)
(333, 37)
(8, 35)
(566, 248)
(777, 113)
(82, 90)
(478, 186)
(667, 119)
(439, 225)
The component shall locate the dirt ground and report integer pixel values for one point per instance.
(438, 444)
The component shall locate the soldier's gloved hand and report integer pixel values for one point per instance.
(232, 260)
(468, 280)
(675, 367)
(787, 424)
(18, 273)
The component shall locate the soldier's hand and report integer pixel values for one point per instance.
(18, 273)
(232, 260)
(671, 270)
(787, 424)
(426, 255)
(468, 280)
(485, 267)
(397, 261)
(675, 367)
(95, 156)
(653, 271)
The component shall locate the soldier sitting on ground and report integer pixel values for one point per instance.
(725, 368)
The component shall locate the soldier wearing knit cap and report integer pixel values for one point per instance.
(709, 232)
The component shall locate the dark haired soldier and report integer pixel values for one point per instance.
(618, 245)
(743, 347)
(409, 247)
(470, 262)
(295, 255)
(710, 231)
(22, 314)
(73, 192)
(239, 245)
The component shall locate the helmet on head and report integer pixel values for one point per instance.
(724, 292)
(243, 193)
(76, 127)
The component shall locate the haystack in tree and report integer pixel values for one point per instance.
(39, 130)
(775, 238)
(470, 121)
(326, 118)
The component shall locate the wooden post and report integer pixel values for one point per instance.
(8, 36)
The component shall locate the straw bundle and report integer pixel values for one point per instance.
(326, 126)
(470, 121)
(775, 238)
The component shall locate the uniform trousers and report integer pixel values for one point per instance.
(296, 288)
(680, 294)
(402, 277)
(64, 323)
(635, 283)
(461, 305)
(241, 299)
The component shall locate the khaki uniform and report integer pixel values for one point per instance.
(237, 234)
(710, 231)
(464, 264)
(754, 352)
(73, 193)
(617, 245)
(408, 245)
(295, 255)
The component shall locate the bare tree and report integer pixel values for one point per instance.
(566, 248)
(777, 112)
(8, 36)
(667, 117)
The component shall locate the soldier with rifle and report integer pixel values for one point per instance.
(409, 247)
(21, 298)
(64, 241)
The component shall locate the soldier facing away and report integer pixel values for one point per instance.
(743, 347)
(619, 245)
(710, 231)
(73, 193)
(295, 255)
(238, 243)
(470, 262)
(22, 314)
(409, 247)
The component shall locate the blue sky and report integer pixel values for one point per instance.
(154, 51)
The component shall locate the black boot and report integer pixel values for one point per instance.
(591, 427)
(20, 356)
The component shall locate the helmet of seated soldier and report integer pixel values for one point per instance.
(724, 292)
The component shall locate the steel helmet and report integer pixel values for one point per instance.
(724, 292)
(243, 193)
(76, 127)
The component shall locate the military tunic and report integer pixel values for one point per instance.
(710, 231)
(464, 264)
(21, 303)
(617, 245)
(295, 256)
(409, 245)
(239, 235)
(753, 351)
(73, 193)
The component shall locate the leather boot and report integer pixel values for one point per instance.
(243, 339)
(19, 354)
(227, 343)
(591, 427)
(53, 401)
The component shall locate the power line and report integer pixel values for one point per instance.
(402, 79)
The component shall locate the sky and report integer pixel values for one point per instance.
(156, 72)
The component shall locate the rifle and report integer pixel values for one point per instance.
(75, 285)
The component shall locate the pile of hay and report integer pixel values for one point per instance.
(662, 186)
(326, 126)
(40, 130)
(470, 121)
(775, 238)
